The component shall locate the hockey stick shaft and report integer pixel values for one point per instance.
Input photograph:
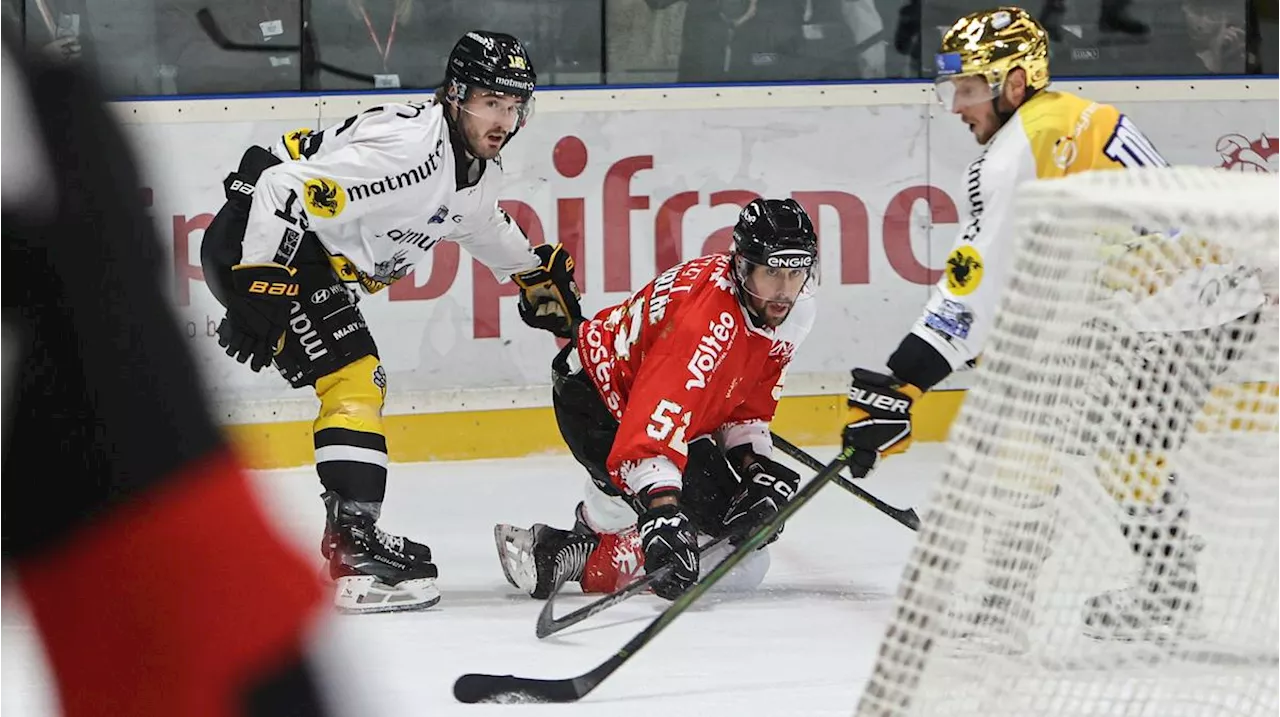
(478, 687)
(219, 38)
(905, 516)
(548, 625)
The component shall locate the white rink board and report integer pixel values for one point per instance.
(651, 185)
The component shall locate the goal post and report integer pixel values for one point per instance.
(1103, 540)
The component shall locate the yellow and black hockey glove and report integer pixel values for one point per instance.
(879, 418)
(549, 297)
(257, 315)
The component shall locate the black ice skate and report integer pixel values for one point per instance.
(537, 560)
(374, 571)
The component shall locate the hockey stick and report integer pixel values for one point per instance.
(906, 516)
(473, 687)
(548, 625)
(219, 38)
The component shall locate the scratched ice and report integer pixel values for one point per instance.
(803, 644)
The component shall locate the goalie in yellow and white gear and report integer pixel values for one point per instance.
(1182, 312)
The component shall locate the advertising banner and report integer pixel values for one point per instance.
(634, 192)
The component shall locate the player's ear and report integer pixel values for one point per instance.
(1015, 87)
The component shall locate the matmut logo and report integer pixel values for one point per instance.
(392, 182)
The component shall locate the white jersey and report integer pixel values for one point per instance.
(381, 189)
(1052, 135)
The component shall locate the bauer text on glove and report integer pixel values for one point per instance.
(879, 418)
(257, 314)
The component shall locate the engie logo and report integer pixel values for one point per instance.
(790, 259)
(324, 198)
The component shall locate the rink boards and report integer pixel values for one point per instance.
(635, 180)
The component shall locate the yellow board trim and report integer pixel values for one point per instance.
(812, 420)
(509, 433)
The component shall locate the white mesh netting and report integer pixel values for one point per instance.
(1104, 538)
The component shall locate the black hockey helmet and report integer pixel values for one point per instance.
(776, 234)
(492, 60)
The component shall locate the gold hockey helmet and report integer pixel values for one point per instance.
(990, 44)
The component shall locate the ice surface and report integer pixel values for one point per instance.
(803, 644)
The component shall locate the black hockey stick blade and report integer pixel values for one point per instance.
(548, 625)
(905, 516)
(474, 687)
(219, 38)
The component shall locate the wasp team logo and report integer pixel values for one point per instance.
(964, 270)
(324, 198)
(1240, 154)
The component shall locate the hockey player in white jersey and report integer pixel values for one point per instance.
(993, 72)
(320, 218)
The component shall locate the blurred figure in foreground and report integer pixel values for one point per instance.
(157, 586)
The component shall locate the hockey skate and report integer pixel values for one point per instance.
(990, 623)
(540, 559)
(1164, 603)
(372, 570)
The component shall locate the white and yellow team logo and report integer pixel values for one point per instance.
(293, 142)
(324, 198)
(964, 270)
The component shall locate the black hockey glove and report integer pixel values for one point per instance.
(257, 313)
(666, 535)
(879, 419)
(549, 297)
(766, 487)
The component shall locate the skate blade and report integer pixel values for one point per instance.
(1164, 633)
(515, 554)
(366, 594)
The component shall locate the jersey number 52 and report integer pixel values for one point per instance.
(663, 421)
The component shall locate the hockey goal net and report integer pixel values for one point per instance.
(1103, 540)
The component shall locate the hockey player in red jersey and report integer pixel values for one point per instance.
(666, 400)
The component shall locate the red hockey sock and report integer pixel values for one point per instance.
(616, 561)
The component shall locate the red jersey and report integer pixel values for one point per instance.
(680, 360)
